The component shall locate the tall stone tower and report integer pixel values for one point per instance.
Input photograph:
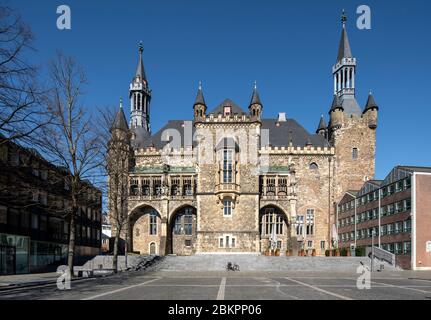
(351, 131)
(118, 162)
(140, 98)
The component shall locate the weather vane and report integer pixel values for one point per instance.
(343, 17)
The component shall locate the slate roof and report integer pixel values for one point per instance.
(280, 133)
(227, 102)
(120, 121)
(200, 97)
(344, 46)
(350, 105)
(371, 103)
(255, 99)
(140, 71)
(322, 124)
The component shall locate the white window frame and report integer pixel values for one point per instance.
(228, 208)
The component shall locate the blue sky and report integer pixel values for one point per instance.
(288, 47)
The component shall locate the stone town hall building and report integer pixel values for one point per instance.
(229, 179)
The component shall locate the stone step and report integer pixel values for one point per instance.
(218, 262)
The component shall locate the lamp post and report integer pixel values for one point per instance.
(372, 250)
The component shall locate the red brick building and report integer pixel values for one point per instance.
(396, 211)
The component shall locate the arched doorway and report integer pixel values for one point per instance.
(145, 230)
(182, 231)
(273, 223)
(153, 248)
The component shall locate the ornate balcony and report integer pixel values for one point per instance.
(228, 188)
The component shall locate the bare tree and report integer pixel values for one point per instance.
(117, 160)
(21, 113)
(71, 141)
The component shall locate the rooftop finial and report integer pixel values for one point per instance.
(121, 103)
(141, 47)
(200, 85)
(343, 18)
(255, 84)
(370, 92)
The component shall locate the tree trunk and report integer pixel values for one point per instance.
(71, 249)
(115, 253)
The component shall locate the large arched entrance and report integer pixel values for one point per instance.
(182, 231)
(145, 230)
(274, 224)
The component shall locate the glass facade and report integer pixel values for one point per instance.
(43, 254)
(14, 248)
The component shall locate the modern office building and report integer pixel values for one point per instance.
(393, 213)
(34, 201)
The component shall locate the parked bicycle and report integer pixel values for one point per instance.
(232, 267)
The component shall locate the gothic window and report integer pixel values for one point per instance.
(227, 207)
(282, 186)
(310, 222)
(271, 219)
(146, 188)
(270, 186)
(157, 187)
(140, 102)
(227, 165)
(355, 153)
(299, 225)
(178, 225)
(174, 186)
(153, 223)
(187, 186)
(314, 166)
(188, 221)
(134, 187)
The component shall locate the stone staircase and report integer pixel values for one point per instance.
(250, 262)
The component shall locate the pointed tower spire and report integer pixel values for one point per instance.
(200, 96)
(344, 47)
(344, 73)
(200, 107)
(140, 71)
(255, 99)
(371, 103)
(321, 128)
(120, 121)
(140, 97)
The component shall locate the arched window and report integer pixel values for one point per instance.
(271, 219)
(153, 223)
(314, 166)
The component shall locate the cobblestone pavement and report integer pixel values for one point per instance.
(234, 286)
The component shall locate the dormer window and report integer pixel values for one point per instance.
(227, 110)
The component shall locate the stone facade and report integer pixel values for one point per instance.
(232, 181)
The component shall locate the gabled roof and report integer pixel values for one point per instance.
(227, 102)
(344, 46)
(369, 186)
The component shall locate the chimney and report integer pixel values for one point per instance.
(281, 117)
